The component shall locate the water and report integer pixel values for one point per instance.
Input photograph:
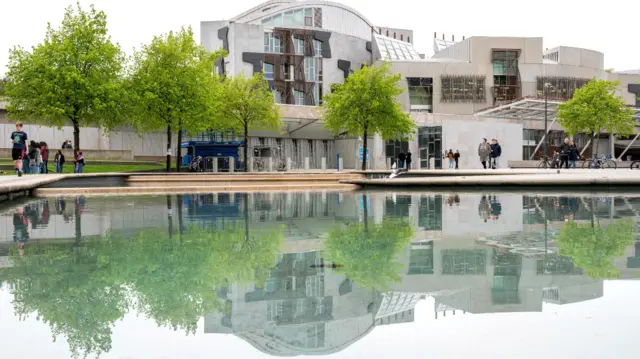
(346, 275)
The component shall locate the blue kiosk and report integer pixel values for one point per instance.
(216, 146)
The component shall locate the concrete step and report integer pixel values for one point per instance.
(242, 178)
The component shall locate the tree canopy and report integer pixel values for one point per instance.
(368, 253)
(172, 86)
(82, 290)
(366, 104)
(595, 108)
(75, 75)
(593, 247)
(246, 104)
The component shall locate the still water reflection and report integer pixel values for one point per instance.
(312, 273)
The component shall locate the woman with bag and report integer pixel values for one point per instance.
(59, 160)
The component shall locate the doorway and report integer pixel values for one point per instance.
(430, 144)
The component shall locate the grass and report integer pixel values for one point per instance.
(68, 168)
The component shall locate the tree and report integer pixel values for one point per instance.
(595, 108)
(366, 104)
(3, 83)
(368, 253)
(172, 83)
(593, 247)
(246, 104)
(74, 75)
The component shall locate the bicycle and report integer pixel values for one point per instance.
(546, 163)
(604, 162)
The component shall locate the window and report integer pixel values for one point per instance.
(394, 35)
(298, 45)
(409, 39)
(561, 87)
(298, 17)
(288, 18)
(308, 17)
(298, 97)
(317, 48)
(269, 71)
(401, 37)
(311, 69)
(464, 262)
(277, 96)
(463, 88)
(316, 94)
(272, 43)
(287, 71)
(387, 33)
(420, 91)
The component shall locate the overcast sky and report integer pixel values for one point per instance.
(607, 27)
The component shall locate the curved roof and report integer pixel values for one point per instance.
(275, 6)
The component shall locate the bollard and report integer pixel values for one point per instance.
(249, 164)
(288, 164)
(323, 164)
(270, 164)
(340, 164)
(306, 163)
(417, 163)
(388, 162)
(338, 161)
(232, 164)
(214, 164)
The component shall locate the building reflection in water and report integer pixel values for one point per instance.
(469, 254)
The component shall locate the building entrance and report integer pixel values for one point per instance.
(430, 144)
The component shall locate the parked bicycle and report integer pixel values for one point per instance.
(548, 163)
(604, 162)
(635, 165)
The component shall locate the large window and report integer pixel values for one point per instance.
(277, 96)
(464, 262)
(298, 45)
(561, 87)
(272, 43)
(296, 18)
(269, 71)
(317, 48)
(506, 83)
(463, 88)
(298, 97)
(420, 93)
(311, 69)
(421, 259)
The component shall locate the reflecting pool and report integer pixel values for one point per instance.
(344, 275)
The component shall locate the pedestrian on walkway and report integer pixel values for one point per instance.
(59, 160)
(401, 158)
(484, 150)
(574, 154)
(456, 157)
(79, 163)
(496, 152)
(19, 149)
(408, 159)
(44, 150)
(35, 158)
(452, 161)
(564, 153)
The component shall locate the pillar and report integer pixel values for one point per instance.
(214, 164)
(323, 163)
(232, 164)
(388, 163)
(270, 164)
(306, 163)
(340, 164)
(288, 164)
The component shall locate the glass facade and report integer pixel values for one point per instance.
(561, 87)
(420, 93)
(272, 43)
(462, 88)
(392, 49)
(269, 71)
(464, 262)
(506, 77)
(295, 18)
(430, 145)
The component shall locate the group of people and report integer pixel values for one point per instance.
(567, 154)
(454, 158)
(33, 157)
(489, 153)
(404, 159)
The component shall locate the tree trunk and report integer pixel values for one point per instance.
(76, 138)
(246, 147)
(178, 151)
(246, 217)
(594, 145)
(365, 211)
(170, 215)
(364, 150)
(168, 148)
(180, 204)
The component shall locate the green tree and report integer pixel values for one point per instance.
(246, 104)
(3, 83)
(368, 253)
(75, 76)
(592, 247)
(366, 104)
(172, 82)
(596, 108)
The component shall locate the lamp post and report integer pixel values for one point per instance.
(546, 137)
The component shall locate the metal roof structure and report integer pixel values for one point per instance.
(393, 49)
(439, 45)
(530, 108)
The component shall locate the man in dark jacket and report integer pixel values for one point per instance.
(401, 158)
(564, 150)
(496, 152)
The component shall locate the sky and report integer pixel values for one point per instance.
(605, 27)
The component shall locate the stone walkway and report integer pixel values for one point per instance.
(13, 183)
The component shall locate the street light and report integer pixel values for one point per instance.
(546, 137)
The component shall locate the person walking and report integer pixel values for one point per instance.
(59, 160)
(496, 152)
(574, 154)
(484, 150)
(79, 163)
(408, 159)
(44, 150)
(401, 158)
(34, 155)
(456, 157)
(452, 161)
(19, 149)
(564, 153)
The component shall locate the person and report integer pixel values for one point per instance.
(574, 154)
(456, 157)
(496, 152)
(564, 153)
(67, 145)
(59, 160)
(496, 208)
(408, 159)
(44, 150)
(20, 148)
(452, 161)
(484, 150)
(79, 163)
(484, 208)
(555, 160)
(20, 230)
(401, 158)
(35, 158)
